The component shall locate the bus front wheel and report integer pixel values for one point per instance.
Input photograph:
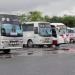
(30, 44)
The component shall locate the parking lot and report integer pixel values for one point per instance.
(39, 61)
(65, 48)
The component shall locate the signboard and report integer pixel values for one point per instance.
(44, 25)
(12, 19)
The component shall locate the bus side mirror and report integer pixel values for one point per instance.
(35, 30)
(20, 26)
(3, 31)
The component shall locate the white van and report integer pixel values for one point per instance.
(71, 34)
(59, 32)
(37, 33)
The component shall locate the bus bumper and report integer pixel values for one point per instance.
(13, 48)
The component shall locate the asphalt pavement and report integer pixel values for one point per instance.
(39, 61)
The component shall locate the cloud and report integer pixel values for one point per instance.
(50, 7)
(68, 12)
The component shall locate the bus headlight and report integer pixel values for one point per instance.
(4, 41)
(21, 41)
(41, 40)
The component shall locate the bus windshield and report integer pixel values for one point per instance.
(45, 30)
(61, 30)
(70, 31)
(11, 30)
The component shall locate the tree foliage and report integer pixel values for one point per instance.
(37, 16)
(46, 18)
(56, 19)
(22, 18)
(69, 20)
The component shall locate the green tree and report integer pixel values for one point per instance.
(46, 18)
(35, 16)
(69, 20)
(23, 18)
(56, 19)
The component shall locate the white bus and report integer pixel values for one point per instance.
(59, 32)
(11, 34)
(37, 33)
(71, 34)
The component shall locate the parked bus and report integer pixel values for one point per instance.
(37, 33)
(59, 32)
(71, 34)
(11, 35)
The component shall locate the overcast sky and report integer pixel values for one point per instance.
(50, 7)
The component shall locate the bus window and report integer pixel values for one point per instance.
(35, 30)
(28, 27)
(54, 34)
(0, 29)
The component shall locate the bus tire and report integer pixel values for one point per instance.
(30, 43)
(41, 46)
(71, 40)
(6, 51)
(49, 46)
(24, 46)
(57, 45)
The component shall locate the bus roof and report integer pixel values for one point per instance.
(56, 24)
(70, 28)
(8, 16)
(35, 22)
